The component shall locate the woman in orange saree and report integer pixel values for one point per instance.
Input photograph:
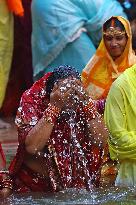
(106, 64)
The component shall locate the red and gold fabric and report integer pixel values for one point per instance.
(2, 158)
(71, 159)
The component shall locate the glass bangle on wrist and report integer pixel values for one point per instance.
(51, 113)
(90, 110)
(7, 182)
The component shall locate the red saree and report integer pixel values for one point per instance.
(71, 160)
(2, 158)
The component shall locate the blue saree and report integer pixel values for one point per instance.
(67, 31)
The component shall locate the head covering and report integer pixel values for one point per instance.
(113, 22)
(101, 70)
(16, 7)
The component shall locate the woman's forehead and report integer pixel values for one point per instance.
(114, 28)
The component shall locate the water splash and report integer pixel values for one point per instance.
(109, 196)
(75, 143)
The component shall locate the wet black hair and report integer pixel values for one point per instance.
(61, 72)
(117, 23)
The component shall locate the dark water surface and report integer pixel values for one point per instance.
(109, 196)
(102, 196)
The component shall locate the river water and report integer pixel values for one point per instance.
(102, 196)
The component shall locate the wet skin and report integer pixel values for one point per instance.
(65, 91)
(115, 44)
(61, 96)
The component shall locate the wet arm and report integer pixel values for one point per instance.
(38, 136)
(96, 128)
(98, 132)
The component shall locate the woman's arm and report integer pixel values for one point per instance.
(38, 136)
(96, 127)
(6, 184)
(98, 132)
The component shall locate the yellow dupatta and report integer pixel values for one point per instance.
(120, 116)
(101, 70)
(7, 8)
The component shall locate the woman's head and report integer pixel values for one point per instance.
(115, 37)
(62, 72)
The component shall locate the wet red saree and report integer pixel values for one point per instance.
(71, 159)
(2, 158)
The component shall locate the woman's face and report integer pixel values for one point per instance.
(116, 43)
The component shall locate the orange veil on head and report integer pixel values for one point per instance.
(101, 70)
(16, 7)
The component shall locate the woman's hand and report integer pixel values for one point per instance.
(5, 192)
(68, 93)
(80, 92)
(62, 94)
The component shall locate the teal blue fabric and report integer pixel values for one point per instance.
(55, 22)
